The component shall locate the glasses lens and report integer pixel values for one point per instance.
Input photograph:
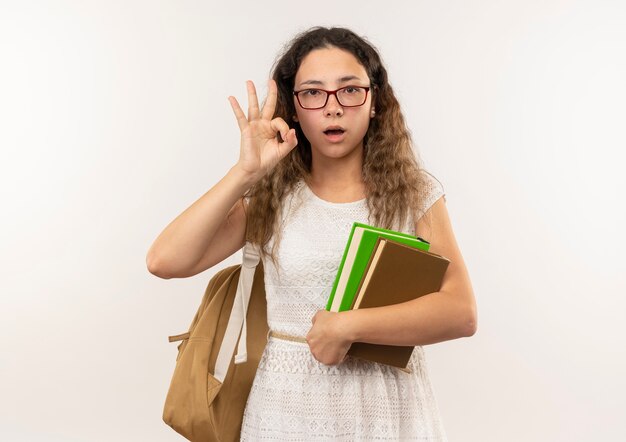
(351, 96)
(312, 98)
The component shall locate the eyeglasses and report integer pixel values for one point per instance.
(349, 96)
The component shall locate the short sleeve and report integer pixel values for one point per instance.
(431, 191)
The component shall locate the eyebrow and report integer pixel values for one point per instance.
(340, 81)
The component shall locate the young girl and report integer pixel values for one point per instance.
(329, 147)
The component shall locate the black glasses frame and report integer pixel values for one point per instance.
(329, 93)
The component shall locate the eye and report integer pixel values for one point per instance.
(352, 89)
(311, 92)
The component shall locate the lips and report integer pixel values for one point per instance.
(334, 134)
(334, 130)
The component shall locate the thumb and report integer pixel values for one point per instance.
(291, 139)
(289, 142)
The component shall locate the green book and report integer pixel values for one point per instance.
(359, 248)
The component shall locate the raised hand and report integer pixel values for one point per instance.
(260, 148)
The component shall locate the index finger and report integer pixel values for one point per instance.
(270, 103)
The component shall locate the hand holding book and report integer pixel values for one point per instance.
(381, 267)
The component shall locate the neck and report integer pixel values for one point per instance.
(338, 178)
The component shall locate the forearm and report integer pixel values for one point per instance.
(184, 241)
(432, 318)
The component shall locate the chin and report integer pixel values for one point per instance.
(338, 150)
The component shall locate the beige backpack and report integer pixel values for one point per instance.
(209, 388)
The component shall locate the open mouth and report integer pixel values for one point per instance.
(334, 131)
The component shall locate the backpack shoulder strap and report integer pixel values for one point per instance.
(236, 328)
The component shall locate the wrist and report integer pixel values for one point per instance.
(350, 325)
(245, 178)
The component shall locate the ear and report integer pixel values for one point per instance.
(372, 113)
(295, 118)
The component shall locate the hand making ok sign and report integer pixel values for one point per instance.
(260, 147)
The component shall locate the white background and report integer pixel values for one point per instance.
(114, 118)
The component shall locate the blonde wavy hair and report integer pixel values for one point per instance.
(392, 172)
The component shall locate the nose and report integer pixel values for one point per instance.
(332, 106)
